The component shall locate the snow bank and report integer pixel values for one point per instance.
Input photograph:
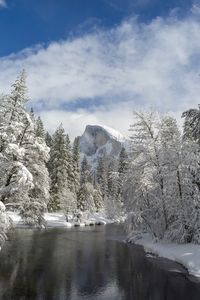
(58, 220)
(186, 254)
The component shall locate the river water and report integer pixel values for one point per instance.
(91, 263)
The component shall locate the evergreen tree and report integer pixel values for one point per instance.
(40, 132)
(85, 200)
(76, 161)
(49, 143)
(192, 135)
(122, 169)
(32, 114)
(85, 171)
(102, 176)
(98, 199)
(114, 203)
(59, 175)
(69, 205)
(18, 153)
(70, 167)
(48, 139)
(36, 157)
(192, 125)
(17, 100)
(123, 161)
(14, 124)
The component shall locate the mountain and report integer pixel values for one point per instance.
(99, 140)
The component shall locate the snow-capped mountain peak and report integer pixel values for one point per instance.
(99, 140)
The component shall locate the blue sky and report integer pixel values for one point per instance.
(94, 61)
(24, 23)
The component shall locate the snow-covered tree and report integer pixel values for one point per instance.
(59, 175)
(145, 186)
(85, 201)
(102, 175)
(192, 124)
(69, 205)
(85, 171)
(98, 199)
(16, 178)
(161, 189)
(48, 139)
(76, 168)
(114, 203)
(122, 169)
(36, 157)
(70, 166)
(40, 131)
(49, 143)
(191, 157)
(5, 223)
(123, 161)
(18, 155)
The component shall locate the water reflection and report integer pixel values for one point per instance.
(88, 264)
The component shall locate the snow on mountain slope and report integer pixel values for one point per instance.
(113, 133)
(99, 140)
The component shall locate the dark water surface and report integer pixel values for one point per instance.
(86, 263)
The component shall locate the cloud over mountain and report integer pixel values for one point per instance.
(131, 66)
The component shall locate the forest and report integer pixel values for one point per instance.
(153, 186)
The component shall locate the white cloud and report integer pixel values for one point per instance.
(133, 65)
(75, 122)
(2, 3)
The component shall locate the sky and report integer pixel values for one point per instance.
(95, 61)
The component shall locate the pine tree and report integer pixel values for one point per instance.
(102, 176)
(85, 200)
(76, 168)
(122, 169)
(123, 161)
(69, 205)
(70, 167)
(36, 157)
(114, 203)
(85, 171)
(49, 143)
(14, 123)
(98, 199)
(48, 139)
(40, 132)
(191, 147)
(192, 124)
(13, 113)
(18, 153)
(17, 99)
(32, 114)
(59, 175)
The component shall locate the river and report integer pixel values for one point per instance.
(91, 263)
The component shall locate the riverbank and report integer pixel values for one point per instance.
(59, 220)
(187, 255)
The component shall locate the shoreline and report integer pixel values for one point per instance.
(187, 255)
(58, 219)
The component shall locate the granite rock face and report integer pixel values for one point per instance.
(99, 140)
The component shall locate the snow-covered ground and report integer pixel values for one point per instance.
(186, 254)
(58, 220)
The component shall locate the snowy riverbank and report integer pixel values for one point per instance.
(58, 220)
(187, 255)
